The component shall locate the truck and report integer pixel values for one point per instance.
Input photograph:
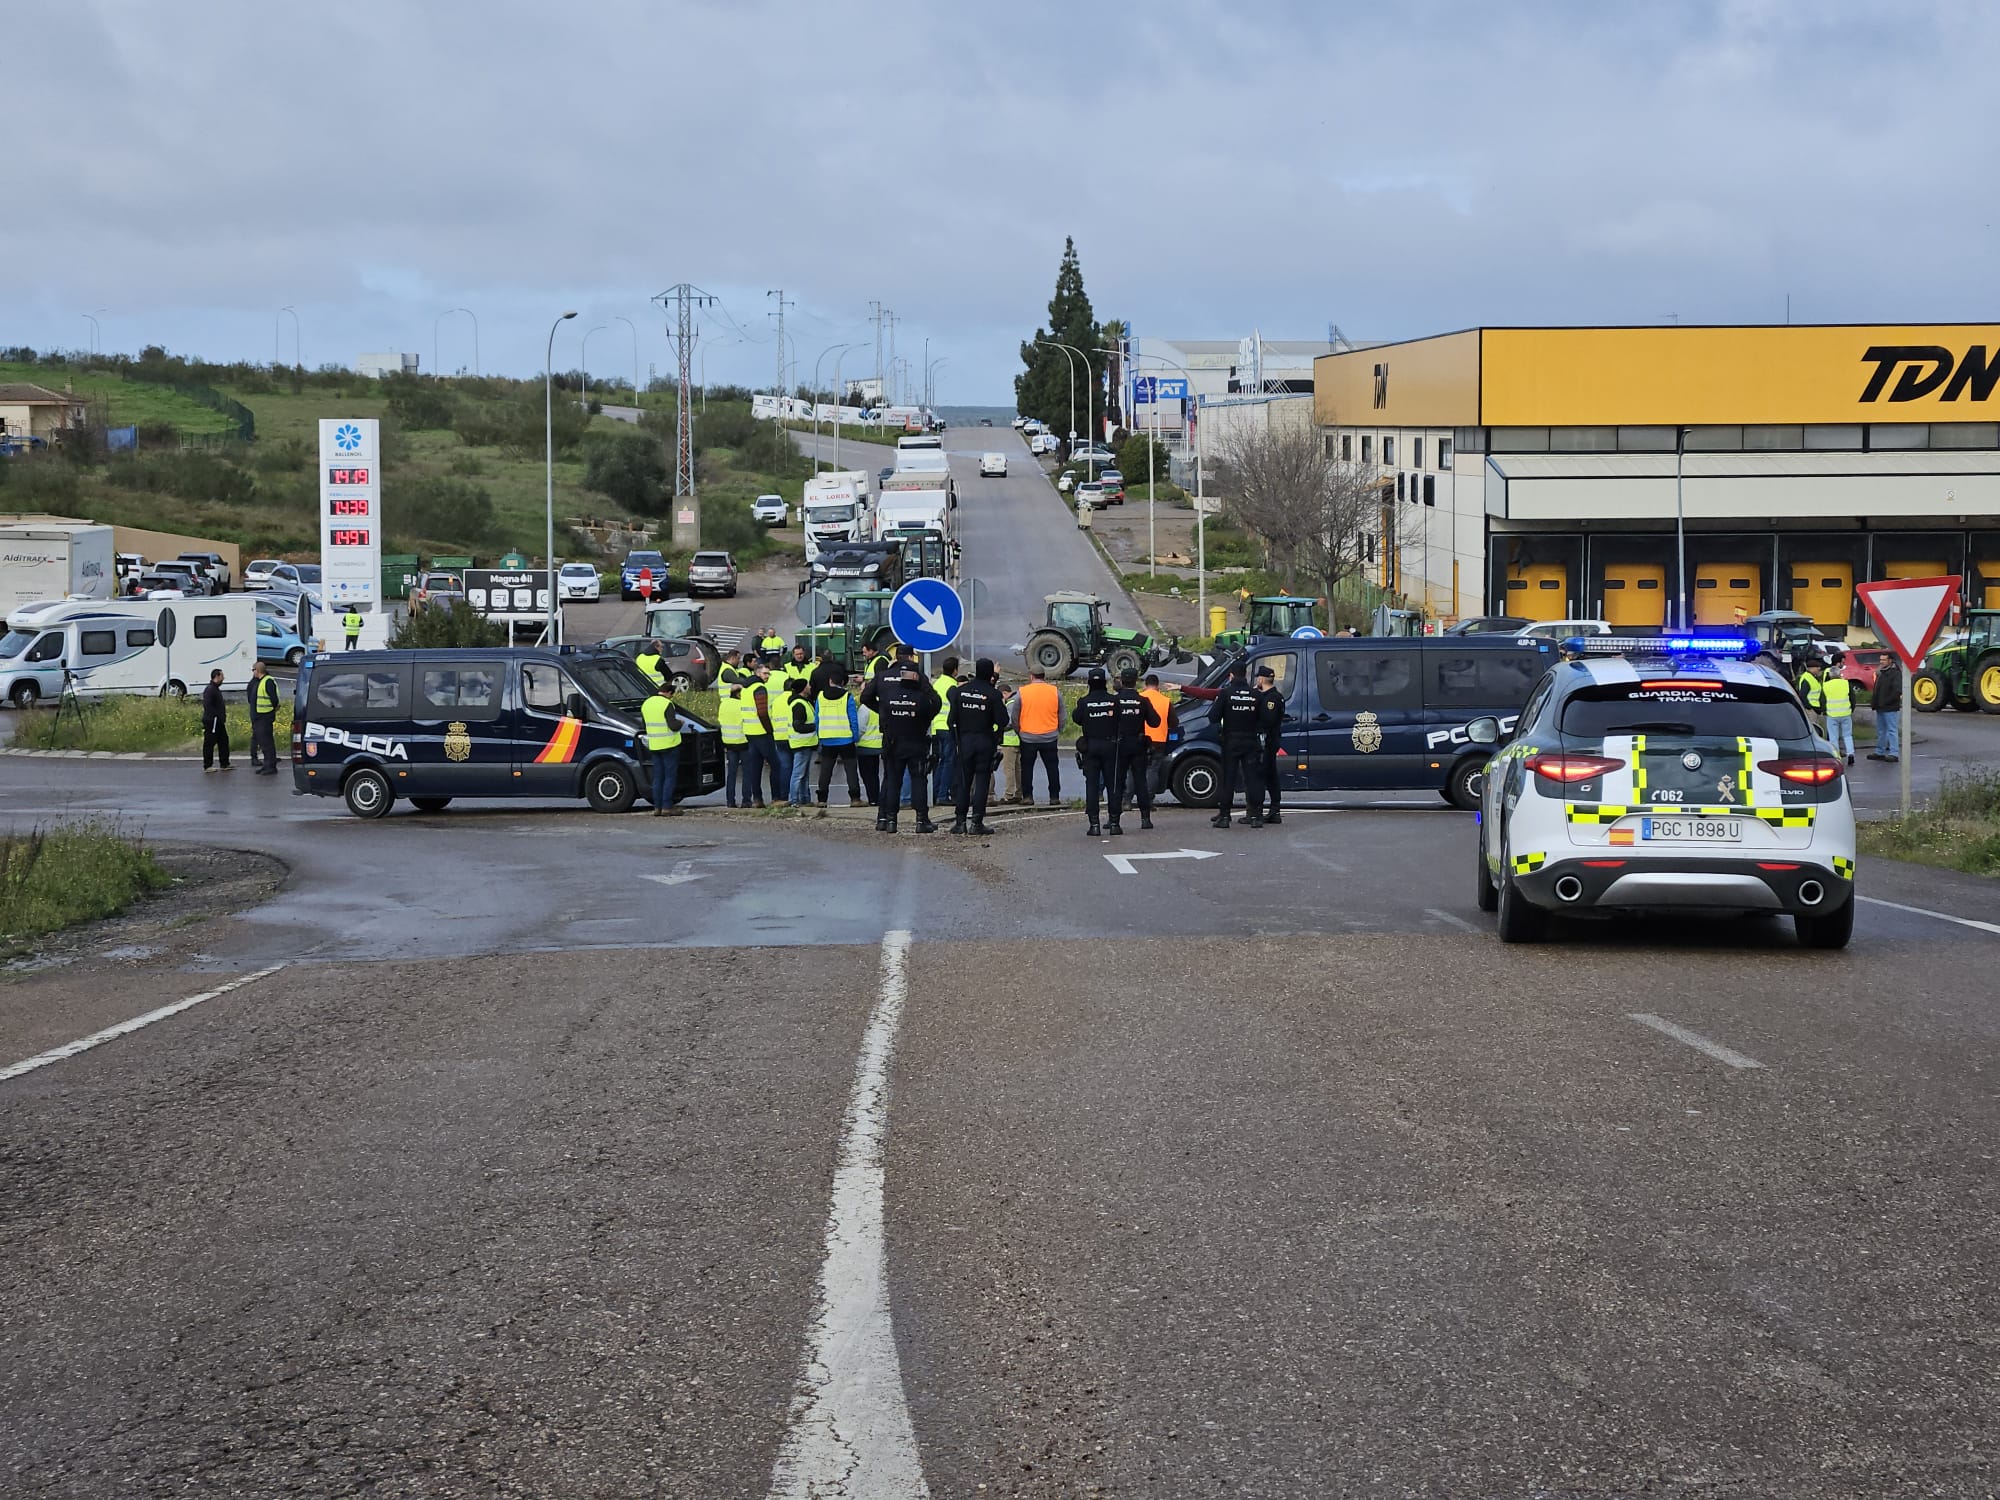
(110, 646)
(917, 500)
(835, 508)
(51, 560)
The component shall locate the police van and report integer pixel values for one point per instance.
(1374, 713)
(372, 726)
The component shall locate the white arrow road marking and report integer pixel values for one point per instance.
(1122, 863)
(850, 1431)
(933, 619)
(682, 874)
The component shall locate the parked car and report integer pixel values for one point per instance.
(1032, 427)
(1090, 496)
(768, 510)
(712, 573)
(1561, 630)
(1113, 484)
(212, 567)
(429, 585)
(1020, 423)
(277, 642)
(128, 563)
(985, 421)
(992, 466)
(159, 586)
(1490, 625)
(644, 561)
(1066, 481)
(266, 574)
(193, 582)
(1091, 453)
(579, 580)
(1044, 442)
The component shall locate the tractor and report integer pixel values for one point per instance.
(1077, 633)
(1268, 615)
(861, 630)
(1964, 672)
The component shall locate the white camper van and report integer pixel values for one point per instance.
(114, 646)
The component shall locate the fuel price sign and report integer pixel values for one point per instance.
(350, 510)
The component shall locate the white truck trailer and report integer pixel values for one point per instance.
(54, 560)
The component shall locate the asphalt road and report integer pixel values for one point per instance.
(1019, 536)
(1265, 1174)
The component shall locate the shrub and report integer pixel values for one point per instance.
(53, 878)
(466, 465)
(186, 476)
(38, 479)
(628, 468)
(419, 405)
(727, 524)
(159, 435)
(287, 456)
(1132, 459)
(438, 509)
(454, 625)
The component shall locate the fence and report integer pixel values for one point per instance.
(243, 420)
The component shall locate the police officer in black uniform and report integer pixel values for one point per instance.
(1274, 733)
(977, 719)
(906, 704)
(1096, 715)
(1239, 717)
(1135, 714)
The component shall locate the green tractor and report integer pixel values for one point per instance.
(860, 629)
(1965, 672)
(1269, 615)
(1077, 633)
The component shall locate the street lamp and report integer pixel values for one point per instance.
(930, 386)
(583, 363)
(1071, 362)
(829, 349)
(92, 321)
(549, 436)
(621, 318)
(475, 337)
(839, 396)
(1200, 499)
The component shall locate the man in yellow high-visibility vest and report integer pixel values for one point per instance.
(663, 748)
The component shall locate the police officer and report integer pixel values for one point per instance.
(350, 626)
(1136, 715)
(649, 661)
(976, 717)
(1239, 717)
(663, 748)
(263, 722)
(1274, 733)
(1096, 716)
(906, 704)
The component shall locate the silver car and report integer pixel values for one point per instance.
(712, 573)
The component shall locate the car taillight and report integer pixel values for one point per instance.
(1568, 768)
(1803, 770)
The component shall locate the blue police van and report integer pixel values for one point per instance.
(1373, 713)
(372, 726)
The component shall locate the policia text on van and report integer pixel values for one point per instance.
(372, 726)
(1374, 714)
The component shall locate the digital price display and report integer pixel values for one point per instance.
(350, 544)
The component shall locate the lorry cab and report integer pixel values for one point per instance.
(1373, 714)
(372, 726)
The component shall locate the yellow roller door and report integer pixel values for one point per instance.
(1987, 585)
(1823, 590)
(1635, 595)
(1724, 593)
(1914, 570)
(1538, 591)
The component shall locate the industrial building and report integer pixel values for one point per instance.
(1539, 471)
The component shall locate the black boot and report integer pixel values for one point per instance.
(883, 825)
(1272, 817)
(1115, 830)
(1145, 820)
(1255, 821)
(980, 830)
(1091, 832)
(925, 825)
(1220, 820)
(958, 826)
(1055, 802)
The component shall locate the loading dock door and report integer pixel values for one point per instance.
(1823, 590)
(1726, 593)
(1914, 570)
(1538, 591)
(1635, 595)
(1989, 583)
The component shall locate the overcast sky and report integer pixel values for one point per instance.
(1398, 170)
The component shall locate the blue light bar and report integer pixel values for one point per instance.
(1661, 645)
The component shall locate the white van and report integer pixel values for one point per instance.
(113, 646)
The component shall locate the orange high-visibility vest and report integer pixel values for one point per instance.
(1157, 733)
(1041, 708)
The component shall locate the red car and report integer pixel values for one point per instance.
(1860, 663)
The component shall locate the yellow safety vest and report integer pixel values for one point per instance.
(941, 722)
(662, 729)
(753, 727)
(649, 663)
(836, 719)
(1011, 740)
(1839, 697)
(267, 696)
(729, 717)
(876, 663)
(781, 708)
(351, 623)
(771, 643)
(797, 675)
(871, 731)
(1809, 687)
(802, 739)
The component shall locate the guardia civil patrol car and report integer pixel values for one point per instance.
(1664, 773)
(372, 726)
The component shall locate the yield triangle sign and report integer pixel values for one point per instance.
(1908, 612)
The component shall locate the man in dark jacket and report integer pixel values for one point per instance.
(214, 725)
(1274, 732)
(905, 704)
(1136, 715)
(1239, 721)
(977, 718)
(1886, 698)
(1096, 716)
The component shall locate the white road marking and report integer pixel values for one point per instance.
(850, 1431)
(125, 1028)
(1695, 1040)
(1122, 863)
(1449, 920)
(1919, 911)
(682, 874)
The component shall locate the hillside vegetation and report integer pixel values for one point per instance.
(463, 467)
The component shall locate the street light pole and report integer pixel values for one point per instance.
(92, 321)
(1680, 533)
(1200, 507)
(839, 397)
(829, 349)
(930, 384)
(1052, 344)
(549, 437)
(620, 317)
(583, 365)
(475, 338)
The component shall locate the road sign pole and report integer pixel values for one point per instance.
(1905, 741)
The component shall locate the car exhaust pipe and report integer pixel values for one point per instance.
(1811, 893)
(1569, 888)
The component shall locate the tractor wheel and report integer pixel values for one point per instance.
(1120, 660)
(1929, 691)
(1052, 652)
(1986, 683)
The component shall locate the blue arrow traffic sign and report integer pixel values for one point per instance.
(927, 614)
(1309, 633)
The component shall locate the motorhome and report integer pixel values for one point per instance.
(107, 647)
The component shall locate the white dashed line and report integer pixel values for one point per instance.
(850, 1432)
(126, 1028)
(1919, 911)
(1449, 920)
(1695, 1040)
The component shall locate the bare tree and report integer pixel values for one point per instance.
(1313, 512)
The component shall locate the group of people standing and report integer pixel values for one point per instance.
(1829, 698)
(264, 702)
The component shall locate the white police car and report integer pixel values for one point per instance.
(1674, 775)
